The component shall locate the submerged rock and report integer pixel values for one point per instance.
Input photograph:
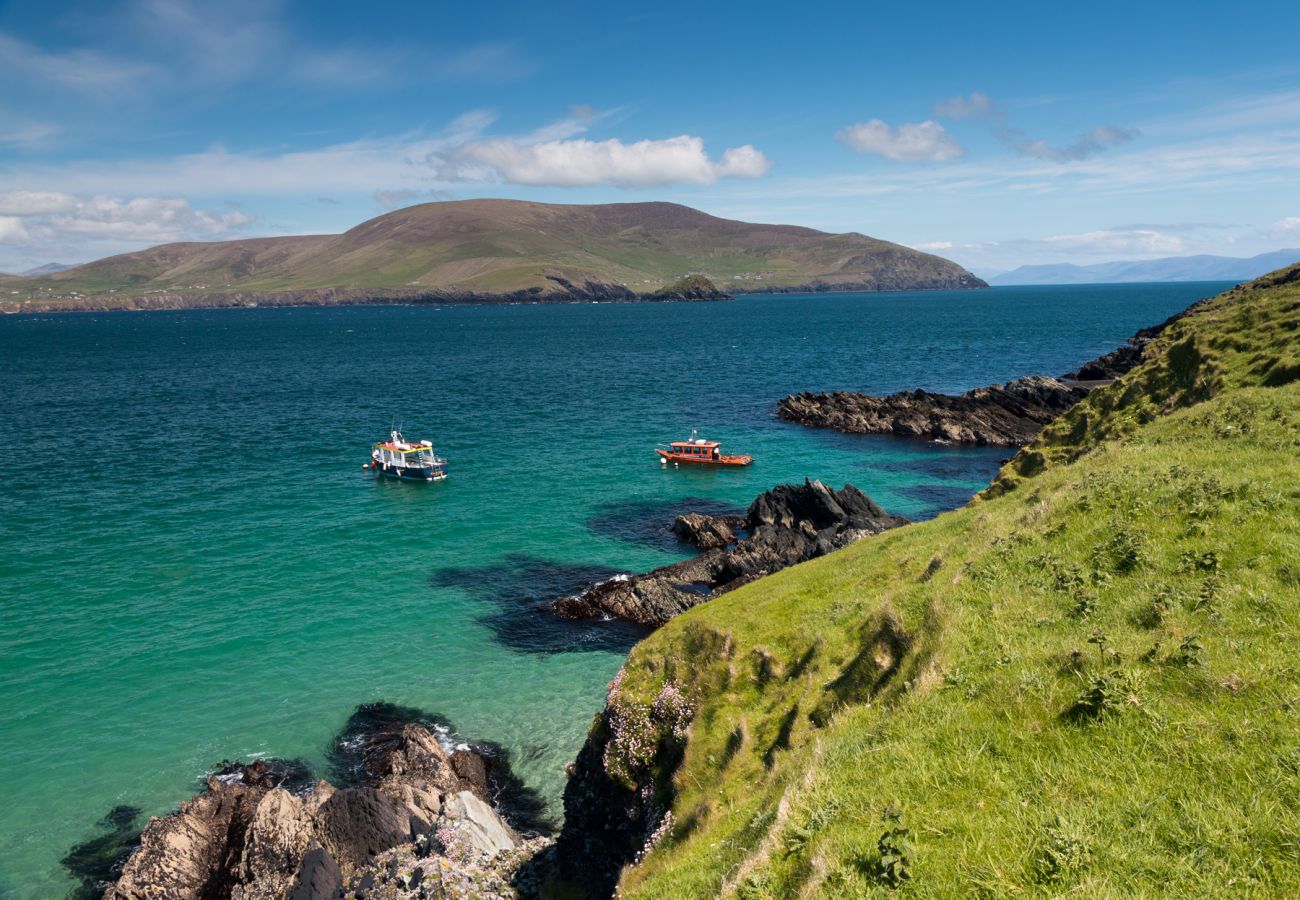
(247, 837)
(787, 525)
(1008, 415)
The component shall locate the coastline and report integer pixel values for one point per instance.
(344, 297)
(432, 700)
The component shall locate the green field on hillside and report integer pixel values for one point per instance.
(1086, 683)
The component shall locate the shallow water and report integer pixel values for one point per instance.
(193, 565)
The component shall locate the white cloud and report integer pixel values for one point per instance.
(1285, 229)
(924, 141)
(581, 162)
(975, 106)
(49, 224)
(12, 230)
(36, 203)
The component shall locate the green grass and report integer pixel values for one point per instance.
(1086, 684)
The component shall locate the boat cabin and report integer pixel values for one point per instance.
(696, 449)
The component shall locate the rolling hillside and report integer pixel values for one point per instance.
(490, 248)
(1172, 268)
(1083, 684)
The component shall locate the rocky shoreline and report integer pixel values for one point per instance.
(407, 816)
(1001, 415)
(1004, 415)
(691, 289)
(784, 526)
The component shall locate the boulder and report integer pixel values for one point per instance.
(706, 532)
(788, 524)
(319, 877)
(249, 838)
(357, 824)
(194, 852)
(478, 824)
(275, 844)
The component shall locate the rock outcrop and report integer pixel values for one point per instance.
(1003, 415)
(1117, 362)
(248, 837)
(707, 532)
(788, 524)
(1007, 415)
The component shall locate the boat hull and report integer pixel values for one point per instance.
(724, 461)
(410, 473)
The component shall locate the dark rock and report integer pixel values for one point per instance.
(1119, 361)
(358, 753)
(707, 532)
(1010, 415)
(788, 525)
(692, 287)
(472, 772)
(294, 775)
(604, 822)
(357, 824)
(319, 878)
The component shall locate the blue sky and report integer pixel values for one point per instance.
(994, 134)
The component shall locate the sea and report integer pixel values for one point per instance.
(195, 565)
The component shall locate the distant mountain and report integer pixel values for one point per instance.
(48, 269)
(479, 250)
(1173, 268)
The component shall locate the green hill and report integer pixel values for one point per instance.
(499, 247)
(1086, 683)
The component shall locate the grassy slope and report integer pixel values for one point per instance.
(500, 246)
(936, 666)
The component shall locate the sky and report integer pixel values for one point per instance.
(993, 134)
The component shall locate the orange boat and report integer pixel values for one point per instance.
(700, 452)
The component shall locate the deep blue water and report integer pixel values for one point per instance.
(193, 565)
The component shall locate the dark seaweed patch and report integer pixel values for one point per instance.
(520, 590)
(96, 863)
(649, 522)
(939, 498)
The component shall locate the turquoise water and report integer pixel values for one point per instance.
(193, 565)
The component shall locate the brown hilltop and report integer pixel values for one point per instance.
(493, 249)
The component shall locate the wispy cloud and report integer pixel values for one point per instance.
(976, 105)
(83, 71)
(1085, 145)
(27, 135)
(979, 106)
(926, 141)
